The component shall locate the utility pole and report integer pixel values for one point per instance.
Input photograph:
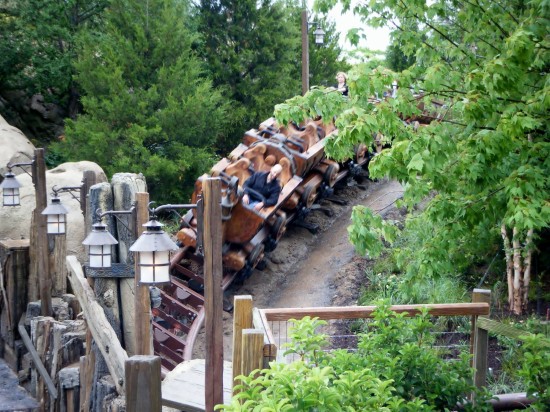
(305, 52)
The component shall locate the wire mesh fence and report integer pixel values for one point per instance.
(345, 334)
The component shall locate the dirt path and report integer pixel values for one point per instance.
(308, 270)
(311, 281)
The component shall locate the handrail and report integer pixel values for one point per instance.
(359, 312)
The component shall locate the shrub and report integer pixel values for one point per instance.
(394, 369)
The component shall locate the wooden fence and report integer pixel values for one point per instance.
(271, 326)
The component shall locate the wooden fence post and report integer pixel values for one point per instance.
(14, 261)
(213, 292)
(39, 239)
(242, 319)
(252, 350)
(143, 384)
(480, 341)
(143, 335)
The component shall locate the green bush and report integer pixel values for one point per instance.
(536, 370)
(394, 369)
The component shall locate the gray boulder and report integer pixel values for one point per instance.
(16, 148)
(15, 221)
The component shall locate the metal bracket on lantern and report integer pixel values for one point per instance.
(117, 270)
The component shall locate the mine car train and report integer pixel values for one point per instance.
(307, 175)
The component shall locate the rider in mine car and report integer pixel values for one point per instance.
(262, 189)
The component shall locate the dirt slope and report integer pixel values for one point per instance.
(320, 269)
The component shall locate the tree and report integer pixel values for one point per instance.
(37, 45)
(325, 60)
(396, 60)
(483, 162)
(251, 49)
(148, 106)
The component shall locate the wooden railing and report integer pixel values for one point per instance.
(267, 325)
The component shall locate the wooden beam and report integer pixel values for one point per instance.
(36, 358)
(481, 341)
(253, 343)
(500, 328)
(41, 235)
(362, 312)
(213, 292)
(143, 334)
(102, 332)
(242, 319)
(88, 180)
(143, 389)
(270, 347)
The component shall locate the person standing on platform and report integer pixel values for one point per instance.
(342, 86)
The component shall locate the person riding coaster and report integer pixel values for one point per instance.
(262, 189)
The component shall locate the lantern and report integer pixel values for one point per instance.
(100, 243)
(153, 247)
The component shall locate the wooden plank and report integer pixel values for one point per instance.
(242, 319)
(511, 401)
(89, 179)
(143, 388)
(478, 295)
(183, 388)
(192, 335)
(363, 312)
(270, 347)
(102, 332)
(14, 263)
(252, 357)
(14, 244)
(58, 269)
(213, 293)
(36, 358)
(500, 328)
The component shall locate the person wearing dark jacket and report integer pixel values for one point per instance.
(262, 189)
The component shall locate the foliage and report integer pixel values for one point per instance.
(254, 49)
(515, 375)
(536, 369)
(396, 60)
(369, 238)
(251, 49)
(394, 369)
(37, 39)
(398, 290)
(148, 106)
(325, 60)
(310, 348)
(485, 164)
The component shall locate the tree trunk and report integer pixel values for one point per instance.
(527, 267)
(518, 268)
(509, 265)
(518, 271)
